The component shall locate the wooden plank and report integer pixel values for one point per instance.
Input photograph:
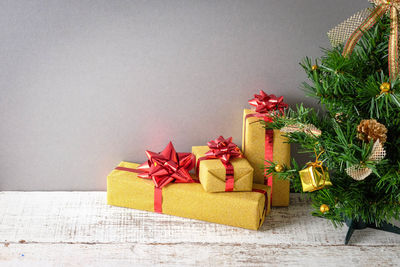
(192, 254)
(84, 217)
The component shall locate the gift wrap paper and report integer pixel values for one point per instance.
(240, 209)
(253, 147)
(212, 173)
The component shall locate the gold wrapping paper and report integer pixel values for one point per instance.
(240, 209)
(253, 146)
(312, 179)
(212, 172)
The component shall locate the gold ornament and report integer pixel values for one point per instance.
(324, 208)
(314, 176)
(385, 87)
(371, 130)
(314, 67)
(279, 168)
(338, 117)
(360, 171)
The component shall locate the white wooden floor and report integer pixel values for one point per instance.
(79, 229)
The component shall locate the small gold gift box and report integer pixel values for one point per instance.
(212, 173)
(314, 178)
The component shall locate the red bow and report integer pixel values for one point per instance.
(223, 149)
(167, 166)
(266, 103)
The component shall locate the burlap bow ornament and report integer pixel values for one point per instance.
(361, 171)
(353, 29)
(309, 129)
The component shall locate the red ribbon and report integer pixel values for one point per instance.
(266, 107)
(163, 168)
(268, 154)
(265, 193)
(225, 150)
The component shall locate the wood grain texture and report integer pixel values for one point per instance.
(192, 254)
(74, 228)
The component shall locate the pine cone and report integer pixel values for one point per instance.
(371, 130)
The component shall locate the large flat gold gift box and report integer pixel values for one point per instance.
(253, 147)
(240, 209)
(212, 173)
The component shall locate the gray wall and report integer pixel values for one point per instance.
(85, 84)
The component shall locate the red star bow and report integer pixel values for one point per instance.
(265, 103)
(167, 166)
(223, 149)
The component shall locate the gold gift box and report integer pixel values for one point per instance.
(253, 146)
(312, 179)
(212, 173)
(240, 209)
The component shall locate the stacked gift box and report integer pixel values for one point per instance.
(217, 182)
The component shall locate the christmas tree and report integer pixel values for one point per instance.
(356, 176)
